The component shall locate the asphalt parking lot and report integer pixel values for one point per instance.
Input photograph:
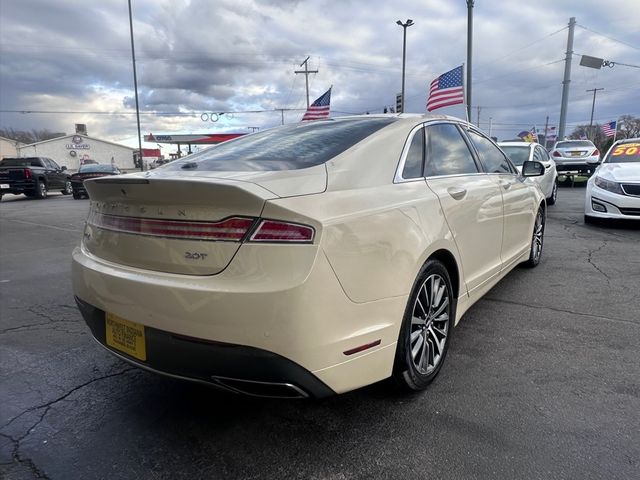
(542, 379)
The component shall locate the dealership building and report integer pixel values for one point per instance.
(71, 151)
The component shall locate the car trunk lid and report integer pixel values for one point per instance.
(175, 224)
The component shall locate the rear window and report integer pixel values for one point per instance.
(95, 168)
(577, 143)
(21, 162)
(517, 155)
(289, 147)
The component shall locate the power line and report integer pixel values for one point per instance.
(523, 47)
(610, 38)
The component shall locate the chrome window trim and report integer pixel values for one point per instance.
(398, 178)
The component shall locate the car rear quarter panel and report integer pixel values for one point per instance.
(376, 239)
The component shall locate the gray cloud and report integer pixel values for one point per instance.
(236, 56)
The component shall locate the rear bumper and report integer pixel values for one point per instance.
(235, 368)
(576, 168)
(297, 325)
(17, 187)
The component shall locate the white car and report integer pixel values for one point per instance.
(519, 152)
(575, 157)
(309, 259)
(614, 190)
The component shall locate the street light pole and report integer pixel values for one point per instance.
(404, 26)
(593, 106)
(135, 87)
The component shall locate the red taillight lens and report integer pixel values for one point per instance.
(595, 152)
(274, 231)
(27, 173)
(556, 153)
(232, 229)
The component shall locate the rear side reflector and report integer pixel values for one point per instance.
(274, 231)
(231, 229)
(362, 348)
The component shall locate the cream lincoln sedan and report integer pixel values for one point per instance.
(308, 259)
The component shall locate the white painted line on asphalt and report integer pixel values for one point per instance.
(42, 225)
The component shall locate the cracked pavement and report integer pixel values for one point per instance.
(542, 380)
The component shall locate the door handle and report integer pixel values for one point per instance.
(505, 185)
(457, 192)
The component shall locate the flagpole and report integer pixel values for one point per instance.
(464, 81)
(615, 132)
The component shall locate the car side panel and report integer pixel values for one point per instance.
(519, 212)
(476, 222)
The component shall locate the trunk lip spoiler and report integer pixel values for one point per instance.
(123, 181)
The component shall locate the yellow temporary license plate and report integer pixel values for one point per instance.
(126, 336)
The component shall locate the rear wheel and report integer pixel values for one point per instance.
(77, 196)
(537, 239)
(68, 189)
(426, 328)
(41, 189)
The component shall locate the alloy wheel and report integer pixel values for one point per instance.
(430, 324)
(538, 233)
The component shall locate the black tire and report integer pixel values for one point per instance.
(537, 240)
(76, 196)
(554, 194)
(41, 189)
(68, 189)
(425, 334)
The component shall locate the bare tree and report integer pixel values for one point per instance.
(32, 136)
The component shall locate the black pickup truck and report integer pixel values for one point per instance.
(33, 176)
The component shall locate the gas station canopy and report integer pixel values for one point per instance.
(192, 139)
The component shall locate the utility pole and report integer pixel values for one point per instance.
(478, 108)
(567, 80)
(469, 49)
(490, 125)
(404, 26)
(546, 126)
(593, 106)
(306, 72)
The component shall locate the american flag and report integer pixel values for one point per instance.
(320, 108)
(446, 90)
(609, 129)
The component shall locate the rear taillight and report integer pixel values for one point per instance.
(595, 152)
(556, 153)
(275, 231)
(232, 229)
(27, 173)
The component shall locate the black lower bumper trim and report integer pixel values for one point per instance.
(237, 367)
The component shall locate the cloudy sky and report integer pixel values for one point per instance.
(239, 56)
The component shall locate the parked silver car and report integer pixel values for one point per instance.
(575, 157)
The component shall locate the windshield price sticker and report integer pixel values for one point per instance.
(627, 149)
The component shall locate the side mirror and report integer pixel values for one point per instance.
(64, 168)
(531, 168)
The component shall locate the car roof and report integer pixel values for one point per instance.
(517, 144)
(628, 140)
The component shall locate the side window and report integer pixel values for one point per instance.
(446, 152)
(536, 155)
(54, 165)
(415, 157)
(491, 157)
(544, 155)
